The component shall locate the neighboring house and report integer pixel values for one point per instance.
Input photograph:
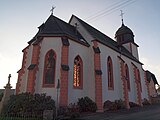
(152, 83)
(86, 61)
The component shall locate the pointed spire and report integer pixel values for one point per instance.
(122, 17)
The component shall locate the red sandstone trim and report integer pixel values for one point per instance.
(32, 73)
(98, 79)
(22, 70)
(64, 77)
(124, 83)
(138, 89)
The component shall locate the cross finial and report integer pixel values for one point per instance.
(9, 77)
(52, 9)
(122, 16)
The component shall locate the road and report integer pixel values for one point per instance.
(151, 112)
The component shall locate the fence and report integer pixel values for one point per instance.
(21, 117)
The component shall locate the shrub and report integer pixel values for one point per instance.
(28, 104)
(120, 104)
(132, 104)
(112, 106)
(109, 106)
(86, 105)
(145, 102)
(71, 111)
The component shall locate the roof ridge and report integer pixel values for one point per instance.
(92, 27)
(106, 40)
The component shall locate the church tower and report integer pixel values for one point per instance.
(125, 37)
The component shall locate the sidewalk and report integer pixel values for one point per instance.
(143, 113)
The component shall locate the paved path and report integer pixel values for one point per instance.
(151, 112)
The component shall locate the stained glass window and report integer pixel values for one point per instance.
(139, 79)
(49, 68)
(77, 72)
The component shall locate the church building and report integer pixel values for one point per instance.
(85, 61)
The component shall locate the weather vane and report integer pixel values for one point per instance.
(52, 9)
(121, 15)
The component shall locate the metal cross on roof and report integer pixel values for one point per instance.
(52, 9)
(121, 15)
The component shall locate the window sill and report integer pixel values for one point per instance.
(48, 85)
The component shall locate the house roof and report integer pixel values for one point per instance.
(150, 76)
(104, 39)
(57, 27)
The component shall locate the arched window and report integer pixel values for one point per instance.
(127, 76)
(77, 72)
(49, 69)
(139, 79)
(110, 73)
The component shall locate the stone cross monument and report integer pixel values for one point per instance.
(6, 94)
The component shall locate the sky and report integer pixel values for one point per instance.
(19, 20)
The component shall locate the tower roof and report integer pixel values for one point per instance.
(123, 30)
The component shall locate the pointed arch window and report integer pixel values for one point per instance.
(49, 69)
(127, 76)
(139, 79)
(110, 74)
(77, 72)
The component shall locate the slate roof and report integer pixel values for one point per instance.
(104, 39)
(57, 27)
(124, 30)
(150, 75)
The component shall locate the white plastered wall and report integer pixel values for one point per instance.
(115, 94)
(86, 54)
(135, 51)
(82, 30)
(47, 44)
